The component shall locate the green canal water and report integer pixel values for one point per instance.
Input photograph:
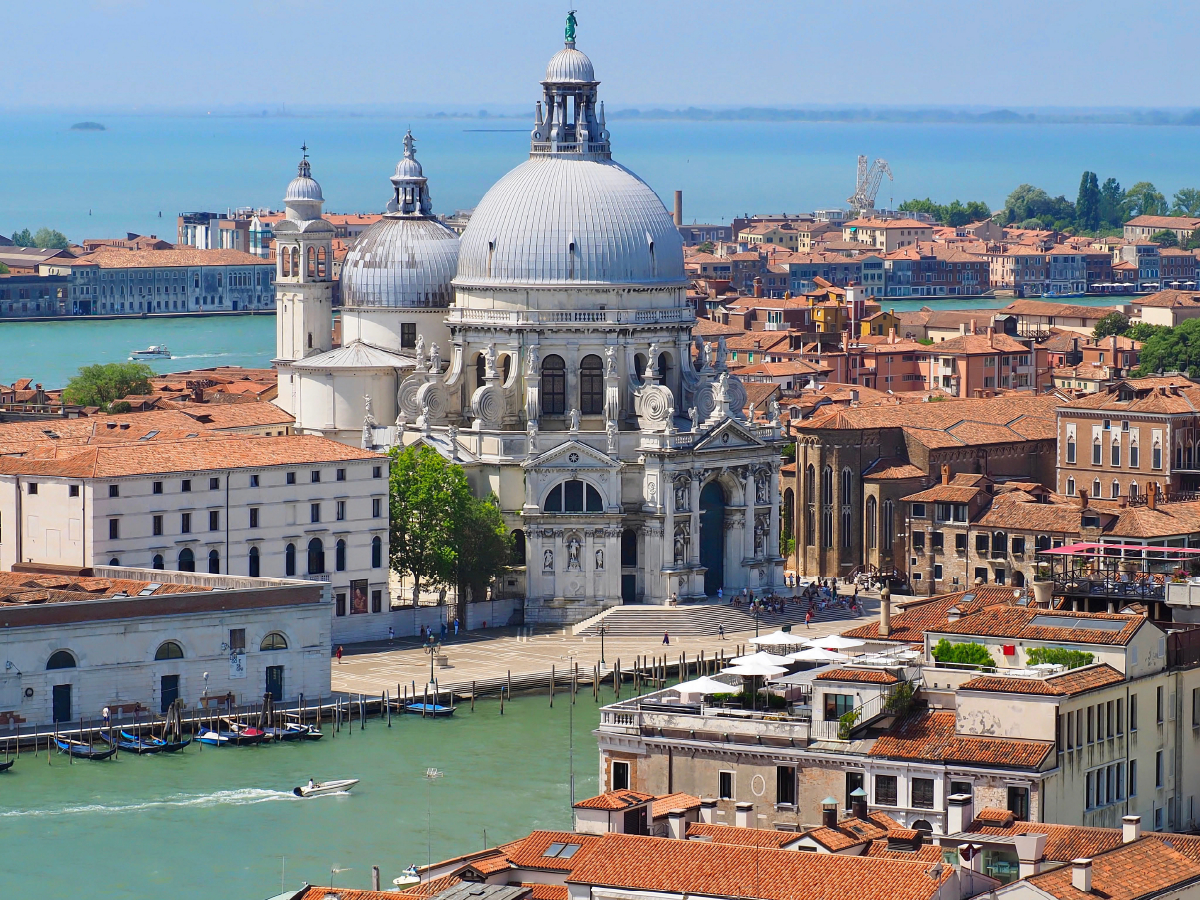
(222, 822)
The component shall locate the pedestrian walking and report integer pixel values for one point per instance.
(666, 638)
(443, 631)
(808, 618)
(720, 595)
(339, 654)
(391, 634)
(721, 631)
(456, 626)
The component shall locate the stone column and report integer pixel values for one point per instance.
(773, 550)
(694, 500)
(748, 496)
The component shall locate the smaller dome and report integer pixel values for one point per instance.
(569, 65)
(304, 187)
(408, 167)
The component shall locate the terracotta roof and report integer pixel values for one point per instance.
(931, 736)
(945, 493)
(25, 588)
(978, 343)
(1137, 395)
(664, 803)
(1168, 519)
(1058, 310)
(927, 853)
(1146, 866)
(547, 891)
(1170, 299)
(1076, 681)
(891, 469)
(853, 831)
(724, 870)
(1009, 513)
(1164, 222)
(916, 617)
(614, 800)
(859, 675)
(1018, 623)
(531, 852)
(116, 258)
(746, 837)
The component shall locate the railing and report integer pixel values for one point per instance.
(866, 712)
(598, 147)
(318, 576)
(682, 315)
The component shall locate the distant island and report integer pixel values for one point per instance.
(88, 126)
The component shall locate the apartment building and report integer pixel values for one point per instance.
(31, 296)
(1177, 267)
(886, 234)
(1169, 307)
(1142, 228)
(213, 231)
(287, 507)
(971, 363)
(1040, 316)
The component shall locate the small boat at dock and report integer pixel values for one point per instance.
(431, 709)
(154, 351)
(294, 731)
(231, 738)
(80, 750)
(130, 743)
(318, 788)
(6, 765)
(160, 745)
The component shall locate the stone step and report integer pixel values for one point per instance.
(633, 621)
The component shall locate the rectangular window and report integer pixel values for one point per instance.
(214, 484)
(185, 523)
(291, 478)
(725, 785)
(620, 776)
(214, 520)
(1090, 801)
(157, 488)
(114, 490)
(186, 485)
(1120, 716)
(1070, 450)
(1133, 712)
(377, 472)
(254, 480)
(937, 572)
(73, 490)
(922, 793)
(376, 601)
(960, 542)
(785, 785)
(981, 543)
(376, 508)
(1133, 778)
(408, 335)
(1133, 455)
(315, 476)
(31, 488)
(1115, 454)
(885, 790)
(156, 525)
(854, 781)
(1158, 705)
(1018, 803)
(114, 529)
(341, 474)
(918, 540)
(340, 604)
(1156, 458)
(254, 517)
(341, 510)
(237, 640)
(837, 705)
(1158, 769)
(1096, 453)
(1108, 719)
(1091, 722)
(918, 510)
(314, 512)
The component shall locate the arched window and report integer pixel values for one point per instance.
(376, 552)
(1070, 448)
(1096, 487)
(1070, 487)
(554, 385)
(847, 487)
(518, 547)
(273, 641)
(254, 562)
(169, 650)
(339, 555)
(285, 263)
(870, 523)
(187, 560)
(312, 262)
(810, 497)
(289, 560)
(158, 562)
(320, 262)
(574, 496)
(316, 557)
(114, 562)
(827, 507)
(1116, 490)
(214, 562)
(629, 547)
(1133, 490)
(61, 659)
(1018, 578)
(887, 525)
(295, 261)
(1114, 450)
(591, 385)
(999, 544)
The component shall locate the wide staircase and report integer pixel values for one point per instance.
(703, 618)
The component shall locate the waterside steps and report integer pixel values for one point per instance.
(698, 619)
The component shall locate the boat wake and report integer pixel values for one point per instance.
(241, 797)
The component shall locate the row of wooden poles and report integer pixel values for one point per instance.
(647, 672)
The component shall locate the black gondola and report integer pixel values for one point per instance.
(80, 750)
(5, 766)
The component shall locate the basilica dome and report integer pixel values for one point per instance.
(408, 258)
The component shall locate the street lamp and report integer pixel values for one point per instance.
(603, 631)
(432, 649)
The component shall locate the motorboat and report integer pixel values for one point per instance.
(407, 877)
(232, 738)
(154, 351)
(318, 788)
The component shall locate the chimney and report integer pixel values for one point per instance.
(741, 816)
(1131, 829)
(953, 614)
(374, 878)
(758, 288)
(962, 328)
(1083, 498)
(858, 803)
(892, 335)
(885, 612)
(829, 812)
(853, 396)
(678, 208)
(675, 824)
(960, 813)
(1152, 495)
(945, 473)
(972, 326)
(1031, 850)
(1081, 875)
(707, 805)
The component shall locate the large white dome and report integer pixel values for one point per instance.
(563, 221)
(401, 261)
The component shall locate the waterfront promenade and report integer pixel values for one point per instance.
(493, 654)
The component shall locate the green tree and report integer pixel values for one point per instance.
(1165, 238)
(484, 549)
(1187, 202)
(1144, 199)
(23, 238)
(1113, 323)
(1142, 331)
(3, 269)
(1112, 203)
(101, 384)
(49, 239)
(706, 247)
(1087, 205)
(955, 214)
(1171, 349)
(1058, 656)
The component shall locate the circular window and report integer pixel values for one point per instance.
(574, 457)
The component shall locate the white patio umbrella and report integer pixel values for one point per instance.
(754, 670)
(817, 654)
(760, 658)
(834, 642)
(706, 685)
(777, 639)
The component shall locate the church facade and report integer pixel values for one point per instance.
(549, 352)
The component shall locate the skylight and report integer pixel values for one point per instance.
(561, 851)
(1077, 622)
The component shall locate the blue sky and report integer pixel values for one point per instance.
(127, 54)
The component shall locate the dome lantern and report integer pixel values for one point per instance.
(574, 123)
(410, 186)
(303, 199)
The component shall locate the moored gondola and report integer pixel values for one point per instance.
(80, 750)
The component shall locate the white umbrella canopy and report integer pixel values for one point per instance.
(754, 670)
(706, 685)
(761, 657)
(776, 639)
(817, 654)
(834, 642)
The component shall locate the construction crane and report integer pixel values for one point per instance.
(868, 183)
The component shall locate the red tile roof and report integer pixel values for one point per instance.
(664, 803)
(918, 616)
(1068, 684)
(746, 837)
(530, 853)
(1016, 622)
(863, 676)
(614, 800)
(1139, 869)
(931, 736)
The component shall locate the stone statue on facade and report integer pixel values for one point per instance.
(681, 495)
(435, 359)
(652, 362)
(531, 433)
(420, 352)
(573, 555)
(548, 560)
(761, 488)
(571, 23)
(610, 429)
(694, 415)
(489, 361)
(533, 362)
(574, 421)
(599, 559)
(761, 528)
(610, 362)
(452, 440)
(722, 353)
(701, 353)
(773, 411)
(681, 543)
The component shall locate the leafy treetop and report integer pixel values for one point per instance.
(101, 384)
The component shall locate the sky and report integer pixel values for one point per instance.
(126, 55)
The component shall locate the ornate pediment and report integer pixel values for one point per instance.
(729, 434)
(572, 455)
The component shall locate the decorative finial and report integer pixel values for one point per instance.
(304, 149)
(571, 23)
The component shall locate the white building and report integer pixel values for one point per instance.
(135, 639)
(292, 507)
(557, 366)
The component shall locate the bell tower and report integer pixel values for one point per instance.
(303, 280)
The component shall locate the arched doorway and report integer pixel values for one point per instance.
(712, 536)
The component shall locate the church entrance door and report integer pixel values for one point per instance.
(712, 536)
